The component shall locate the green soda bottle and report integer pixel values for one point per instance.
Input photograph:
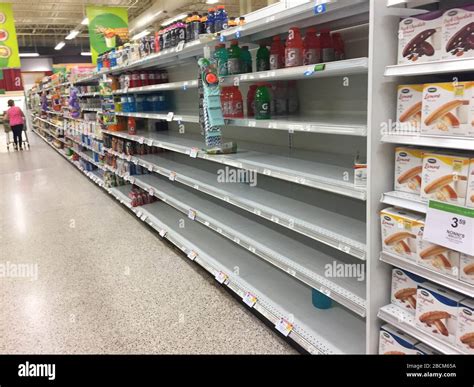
(262, 102)
(233, 62)
(263, 58)
(221, 57)
(246, 60)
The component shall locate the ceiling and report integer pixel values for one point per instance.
(43, 23)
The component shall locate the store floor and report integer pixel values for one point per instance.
(105, 283)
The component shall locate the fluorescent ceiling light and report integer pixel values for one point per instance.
(73, 34)
(28, 54)
(59, 45)
(85, 21)
(173, 19)
(86, 53)
(212, 1)
(140, 35)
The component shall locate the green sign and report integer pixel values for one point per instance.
(108, 28)
(9, 56)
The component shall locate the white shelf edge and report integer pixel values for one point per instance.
(183, 85)
(404, 200)
(404, 321)
(439, 278)
(464, 143)
(357, 305)
(429, 68)
(356, 249)
(318, 183)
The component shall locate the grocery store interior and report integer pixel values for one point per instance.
(237, 177)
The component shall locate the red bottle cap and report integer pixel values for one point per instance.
(211, 78)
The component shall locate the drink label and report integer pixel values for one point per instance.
(311, 56)
(262, 110)
(274, 61)
(327, 55)
(233, 66)
(293, 57)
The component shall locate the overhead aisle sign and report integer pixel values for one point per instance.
(108, 28)
(9, 56)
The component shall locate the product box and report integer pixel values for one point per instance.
(409, 103)
(465, 331)
(399, 232)
(419, 38)
(436, 257)
(404, 287)
(395, 342)
(408, 168)
(448, 109)
(470, 186)
(444, 178)
(457, 28)
(436, 311)
(423, 349)
(466, 268)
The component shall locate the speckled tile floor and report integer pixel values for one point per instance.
(105, 283)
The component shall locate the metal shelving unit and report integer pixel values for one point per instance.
(406, 200)
(434, 276)
(404, 321)
(183, 85)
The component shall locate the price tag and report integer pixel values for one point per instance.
(320, 7)
(150, 167)
(192, 255)
(151, 191)
(249, 299)
(450, 226)
(149, 142)
(267, 172)
(238, 34)
(221, 277)
(172, 176)
(141, 140)
(194, 152)
(169, 116)
(236, 81)
(192, 214)
(284, 327)
(143, 218)
(252, 123)
(162, 233)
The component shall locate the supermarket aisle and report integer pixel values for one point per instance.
(105, 284)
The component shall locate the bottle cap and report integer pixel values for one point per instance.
(220, 7)
(234, 42)
(245, 48)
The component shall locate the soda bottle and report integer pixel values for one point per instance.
(132, 126)
(251, 100)
(339, 51)
(246, 60)
(277, 54)
(196, 25)
(233, 62)
(292, 95)
(221, 57)
(218, 18)
(225, 101)
(312, 48)
(225, 19)
(327, 46)
(210, 21)
(294, 48)
(236, 105)
(262, 102)
(181, 33)
(263, 58)
(203, 23)
(232, 22)
(188, 27)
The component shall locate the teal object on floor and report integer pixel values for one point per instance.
(320, 300)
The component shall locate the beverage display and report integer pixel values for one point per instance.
(233, 62)
(312, 48)
(251, 101)
(246, 60)
(279, 102)
(263, 58)
(277, 54)
(131, 126)
(221, 57)
(262, 102)
(327, 46)
(294, 48)
(210, 21)
(220, 19)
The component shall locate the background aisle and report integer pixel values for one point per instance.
(105, 284)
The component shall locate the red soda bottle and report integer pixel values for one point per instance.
(132, 127)
(312, 48)
(327, 46)
(294, 48)
(277, 54)
(236, 105)
(251, 100)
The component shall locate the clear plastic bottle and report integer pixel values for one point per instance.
(294, 48)
(221, 57)
(312, 48)
(246, 60)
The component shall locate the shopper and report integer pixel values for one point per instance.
(16, 118)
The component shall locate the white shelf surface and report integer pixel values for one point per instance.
(331, 69)
(464, 143)
(184, 117)
(121, 194)
(300, 260)
(447, 66)
(334, 330)
(184, 85)
(405, 321)
(338, 231)
(321, 171)
(405, 200)
(91, 109)
(48, 122)
(321, 123)
(434, 276)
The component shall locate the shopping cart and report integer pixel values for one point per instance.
(9, 136)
